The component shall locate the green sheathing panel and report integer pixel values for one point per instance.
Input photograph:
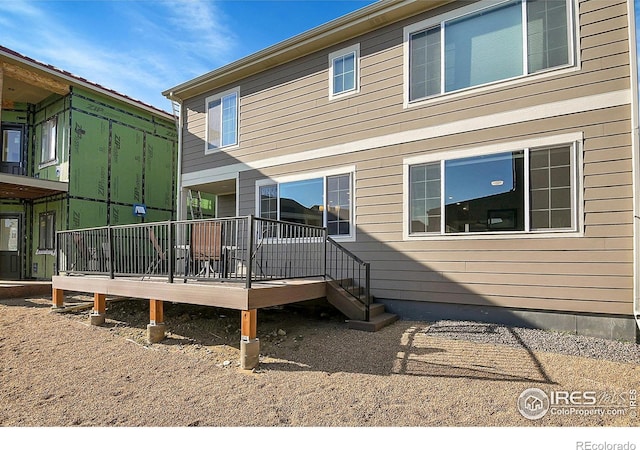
(43, 260)
(111, 109)
(127, 149)
(89, 157)
(157, 216)
(159, 171)
(16, 114)
(86, 213)
(6, 207)
(54, 107)
(122, 215)
(121, 155)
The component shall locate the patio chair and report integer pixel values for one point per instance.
(85, 257)
(158, 254)
(207, 250)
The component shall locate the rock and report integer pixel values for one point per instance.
(226, 363)
(281, 332)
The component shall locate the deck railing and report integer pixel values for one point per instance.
(350, 272)
(243, 249)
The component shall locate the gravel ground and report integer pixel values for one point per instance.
(58, 371)
(537, 340)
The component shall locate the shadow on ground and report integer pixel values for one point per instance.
(25, 302)
(315, 337)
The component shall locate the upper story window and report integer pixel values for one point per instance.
(344, 71)
(48, 141)
(507, 40)
(222, 120)
(526, 190)
(319, 201)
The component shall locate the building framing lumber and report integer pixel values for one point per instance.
(34, 79)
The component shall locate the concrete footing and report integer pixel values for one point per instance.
(155, 332)
(96, 318)
(249, 353)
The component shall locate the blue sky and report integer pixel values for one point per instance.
(142, 47)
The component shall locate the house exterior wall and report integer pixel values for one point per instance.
(111, 154)
(119, 156)
(289, 126)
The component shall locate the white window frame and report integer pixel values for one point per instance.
(348, 170)
(355, 50)
(572, 65)
(220, 96)
(574, 140)
(49, 142)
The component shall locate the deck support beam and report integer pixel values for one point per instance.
(97, 316)
(156, 327)
(249, 343)
(57, 298)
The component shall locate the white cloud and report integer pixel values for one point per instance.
(153, 46)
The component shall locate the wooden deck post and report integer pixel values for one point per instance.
(249, 326)
(58, 298)
(156, 328)
(249, 343)
(98, 314)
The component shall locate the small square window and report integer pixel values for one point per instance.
(344, 71)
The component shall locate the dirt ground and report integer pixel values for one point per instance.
(58, 371)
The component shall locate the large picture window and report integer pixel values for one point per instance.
(323, 201)
(511, 39)
(525, 190)
(222, 120)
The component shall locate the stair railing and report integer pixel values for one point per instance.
(350, 273)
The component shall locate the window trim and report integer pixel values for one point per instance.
(355, 49)
(212, 98)
(347, 170)
(573, 65)
(575, 140)
(46, 250)
(46, 123)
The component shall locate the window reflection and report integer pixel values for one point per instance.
(485, 193)
(301, 202)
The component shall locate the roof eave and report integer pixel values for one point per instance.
(341, 29)
(75, 81)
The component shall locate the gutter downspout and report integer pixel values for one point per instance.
(635, 157)
(180, 203)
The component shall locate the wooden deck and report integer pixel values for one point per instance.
(211, 293)
(24, 288)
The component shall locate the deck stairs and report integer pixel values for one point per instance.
(352, 302)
